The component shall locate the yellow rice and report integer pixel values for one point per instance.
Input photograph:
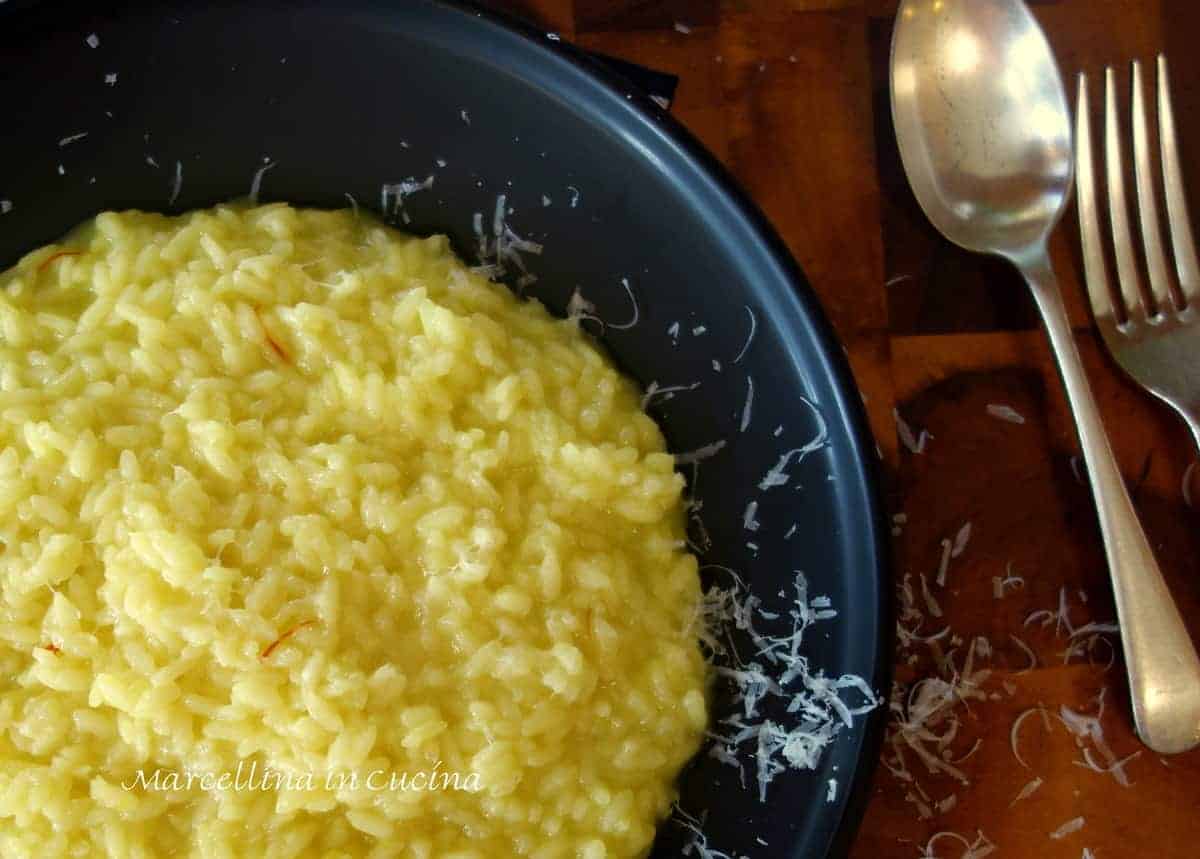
(286, 490)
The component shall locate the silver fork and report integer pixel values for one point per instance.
(1154, 334)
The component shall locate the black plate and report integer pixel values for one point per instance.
(343, 97)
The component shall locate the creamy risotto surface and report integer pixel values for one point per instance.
(317, 543)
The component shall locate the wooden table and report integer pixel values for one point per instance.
(792, 96)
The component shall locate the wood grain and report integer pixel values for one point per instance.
(792, 96)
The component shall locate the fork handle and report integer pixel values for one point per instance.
(1164, 670)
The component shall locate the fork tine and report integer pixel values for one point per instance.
(1094, 268)
(1118, 208)
(1181, 228)
(1147, 198)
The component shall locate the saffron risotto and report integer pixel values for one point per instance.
(288, 491)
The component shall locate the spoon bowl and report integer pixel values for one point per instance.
(982, 118)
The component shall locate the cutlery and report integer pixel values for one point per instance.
(984, 132)
(1154, 336)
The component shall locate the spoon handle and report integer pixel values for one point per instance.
(1164, 670)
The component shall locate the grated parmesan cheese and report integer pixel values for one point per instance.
(1087, 729)
(700, 454)
(930, 602)
(680, 27)
(750, 336)
(504, 246)
(813, 710)
(929, 705)
(976, 849)
(948, 804)
(1080, 640)
(67, 141)
(976, 746)
(176, 183)
(924, 811)
(1005, 413)
(1027, 791)
(1028, 651)
(392, 196)
(960, 540)
(914, 443)
(1014, 734)
(748, 404)
(580, 308)
(1067, 828)
(1000, 585)
(655, 390)
(636, 313)
(111, 78)
(6, 206)
(778, 475)
(944, 564)
(256, 182)
(92, 41)
(749, 522)
(699, 842)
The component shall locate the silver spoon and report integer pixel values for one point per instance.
(985, 135)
